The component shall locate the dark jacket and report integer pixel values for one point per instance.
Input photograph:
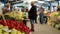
(33, 12)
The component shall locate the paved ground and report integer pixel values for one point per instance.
(44, 29)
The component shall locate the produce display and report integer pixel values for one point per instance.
(14, 26)
(14, 23)
(15, 15)
(55, 20)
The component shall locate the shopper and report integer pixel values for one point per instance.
(41, 15)
(32, 15)
(6, 8)
(25, 17)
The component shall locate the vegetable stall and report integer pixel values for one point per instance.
(12, 23)
(55, 20)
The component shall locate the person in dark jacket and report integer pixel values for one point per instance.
(32, 15)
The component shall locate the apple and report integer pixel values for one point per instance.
(58, 16)
(6, 27)
(1, 31)
(1, 26)
(5, 32)
(18, 32)
(3, 23)
(22, 33)
(14, 31)
(57, 26)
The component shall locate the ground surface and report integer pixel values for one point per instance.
(44, 29)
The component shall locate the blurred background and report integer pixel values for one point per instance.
(51, 8)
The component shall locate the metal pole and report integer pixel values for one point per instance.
(50, 5)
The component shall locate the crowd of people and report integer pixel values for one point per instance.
(30, 14)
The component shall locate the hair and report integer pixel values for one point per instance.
(32, 3)
(26, 10)
(42, 8)
(22, 10)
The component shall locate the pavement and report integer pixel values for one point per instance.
(43, 29)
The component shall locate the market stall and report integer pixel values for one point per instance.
(55, 20)
(11, 22)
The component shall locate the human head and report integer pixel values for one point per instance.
(22, 9)
(7, 4)
(41, 7)
(26, 10)
(32, 3)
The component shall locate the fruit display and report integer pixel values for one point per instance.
(15, 27)
(0, 31)
(15, 15)
(56, 25)
(55, 14)
(13, 23)
(55, 20)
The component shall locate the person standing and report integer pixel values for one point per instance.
(32, 15)
(25, 17)
(41, 14)
(6, 8)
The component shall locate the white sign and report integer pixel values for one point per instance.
(11, 0)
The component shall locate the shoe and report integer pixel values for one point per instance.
(28, 27)
(41, 23)
(35, 22)
(32, 30)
